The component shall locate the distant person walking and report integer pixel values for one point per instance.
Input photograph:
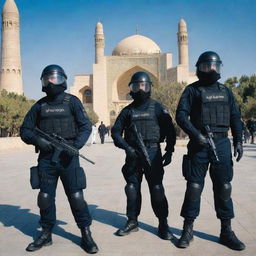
(246, 133)
(102, 130)
(93, 134)
(251, 125)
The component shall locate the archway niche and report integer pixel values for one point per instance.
(123, 81)
(87, 97)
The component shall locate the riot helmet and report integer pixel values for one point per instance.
(140, 87)
(208, 67)
(209, 61)
(53, 76)
(140, 81)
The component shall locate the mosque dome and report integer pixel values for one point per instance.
(136, 45)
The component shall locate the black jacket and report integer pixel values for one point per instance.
(167, 131)
(188, 112)
(83, 123)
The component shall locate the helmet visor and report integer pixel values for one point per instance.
(144, 86)
(54, 78)
(210, 66)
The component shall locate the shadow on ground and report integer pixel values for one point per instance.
(28, 223)
(118, 220)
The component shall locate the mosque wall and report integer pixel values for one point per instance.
(80, 82)
(112, 74)
(100, 96)
(172, 74)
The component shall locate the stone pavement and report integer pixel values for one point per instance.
(105, 195)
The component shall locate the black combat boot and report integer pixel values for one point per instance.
(228, 237)
(87, 242)
(44, 239)
(187, 234)
(164, 231)
(130, 226)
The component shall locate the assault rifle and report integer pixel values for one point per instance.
(140, 144)
(209, 136)
(59, 144)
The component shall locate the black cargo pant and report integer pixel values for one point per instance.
(133, 171)
(221, 174)
(102, 138)
(73, 180)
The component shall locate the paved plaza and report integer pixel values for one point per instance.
(105, 195)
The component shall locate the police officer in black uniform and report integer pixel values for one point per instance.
(154, 125)
(251, 125)
(207, 102)
(62, 114)
(102, 130)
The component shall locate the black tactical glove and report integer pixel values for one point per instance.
(167, 158)
(131, 152)
(201, 139)
(238, 150)
(43, 144)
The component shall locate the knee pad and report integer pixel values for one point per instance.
(130, 191)
(194, 191)
(43, 200)
(77, 201)
(225, 191)
(157, 192)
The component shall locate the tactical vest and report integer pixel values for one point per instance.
(146, 123)
(58, 119)
(215, 109)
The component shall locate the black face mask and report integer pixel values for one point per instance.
(52, 90)
(208, 78)
(140, 96)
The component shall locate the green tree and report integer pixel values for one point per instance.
(169, 94)
(92, 115)
(231, 82)
(249, 109)
(244, 90)
(13, 108)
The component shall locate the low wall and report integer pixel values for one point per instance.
(11, 143)
(16, 142)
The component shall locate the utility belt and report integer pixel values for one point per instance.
(219, 135)
(150, 144)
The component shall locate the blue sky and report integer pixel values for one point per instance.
(62, 32)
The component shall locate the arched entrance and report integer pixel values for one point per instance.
(124, 79)
(87, 98)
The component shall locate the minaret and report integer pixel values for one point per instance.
(183, 42)
(99, 43)
(10, 72)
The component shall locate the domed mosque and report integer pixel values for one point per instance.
(136, 45)
(107, 91)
